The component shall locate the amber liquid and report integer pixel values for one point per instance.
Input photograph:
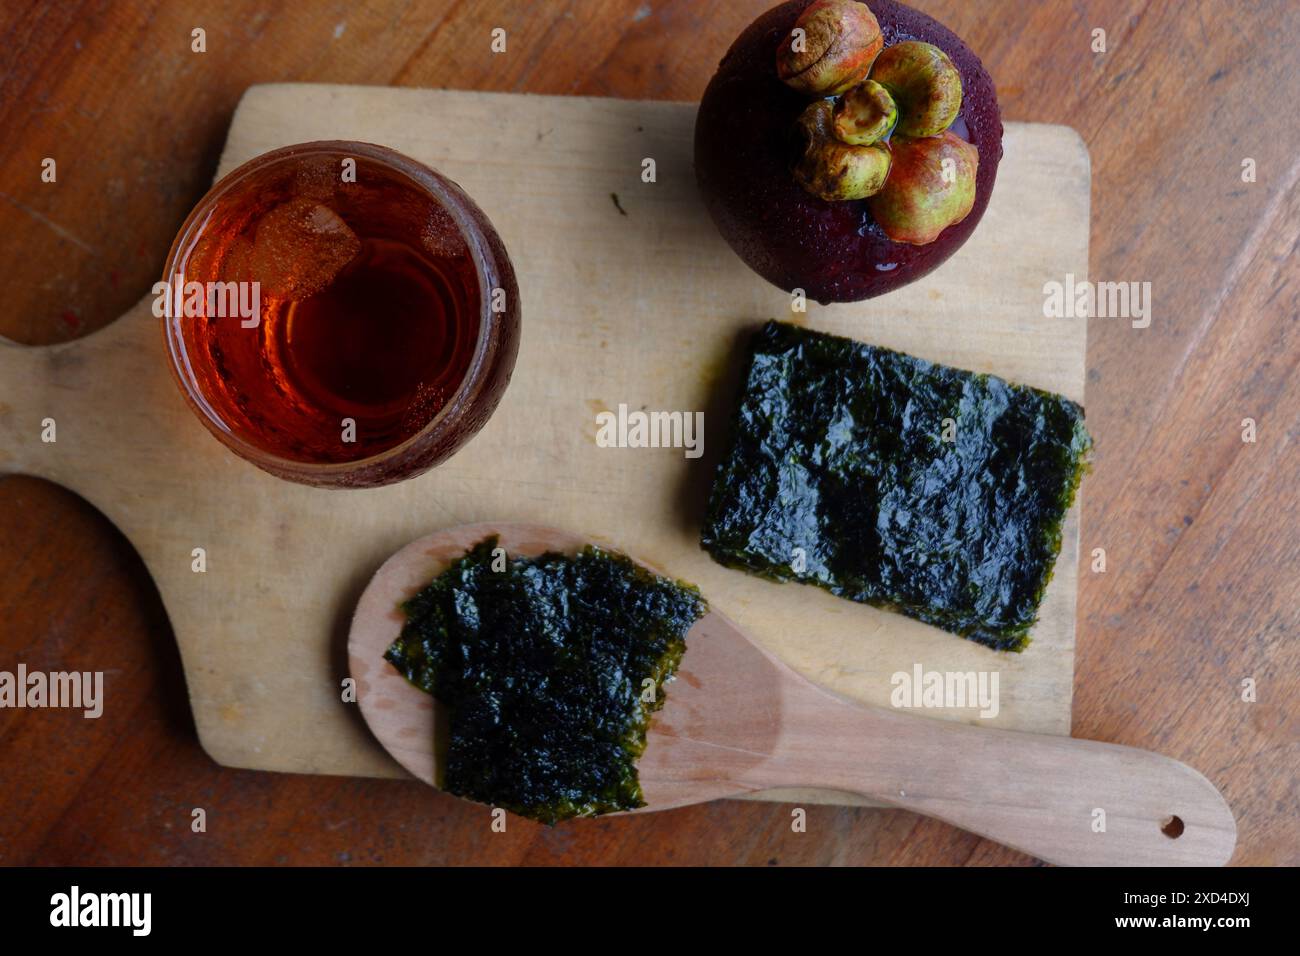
(348, 369)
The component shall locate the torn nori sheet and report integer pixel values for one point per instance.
(540, 666)
(839, 451)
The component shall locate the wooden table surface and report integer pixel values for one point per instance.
(1201, 590)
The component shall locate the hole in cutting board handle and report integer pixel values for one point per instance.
(1172, 827)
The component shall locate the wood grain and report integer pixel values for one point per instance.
(1199, 591)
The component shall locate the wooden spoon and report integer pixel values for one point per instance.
(737, 720)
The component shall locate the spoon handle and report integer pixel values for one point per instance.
(1067, 801)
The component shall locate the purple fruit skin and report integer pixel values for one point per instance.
(834, 251)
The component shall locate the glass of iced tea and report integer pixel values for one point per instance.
(340, 314)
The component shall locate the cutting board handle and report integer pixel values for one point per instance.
(1067, 801)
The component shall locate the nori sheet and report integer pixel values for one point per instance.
(540, 667)
(838, 450)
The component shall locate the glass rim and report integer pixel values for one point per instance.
(449, 196)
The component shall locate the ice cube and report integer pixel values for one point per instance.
(441, 236)
(299, 247)
(316, 177)
(237, 265)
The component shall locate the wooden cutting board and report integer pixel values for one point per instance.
(635, 301)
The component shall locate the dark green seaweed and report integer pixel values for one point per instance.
(839, 475)
(541, 665)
